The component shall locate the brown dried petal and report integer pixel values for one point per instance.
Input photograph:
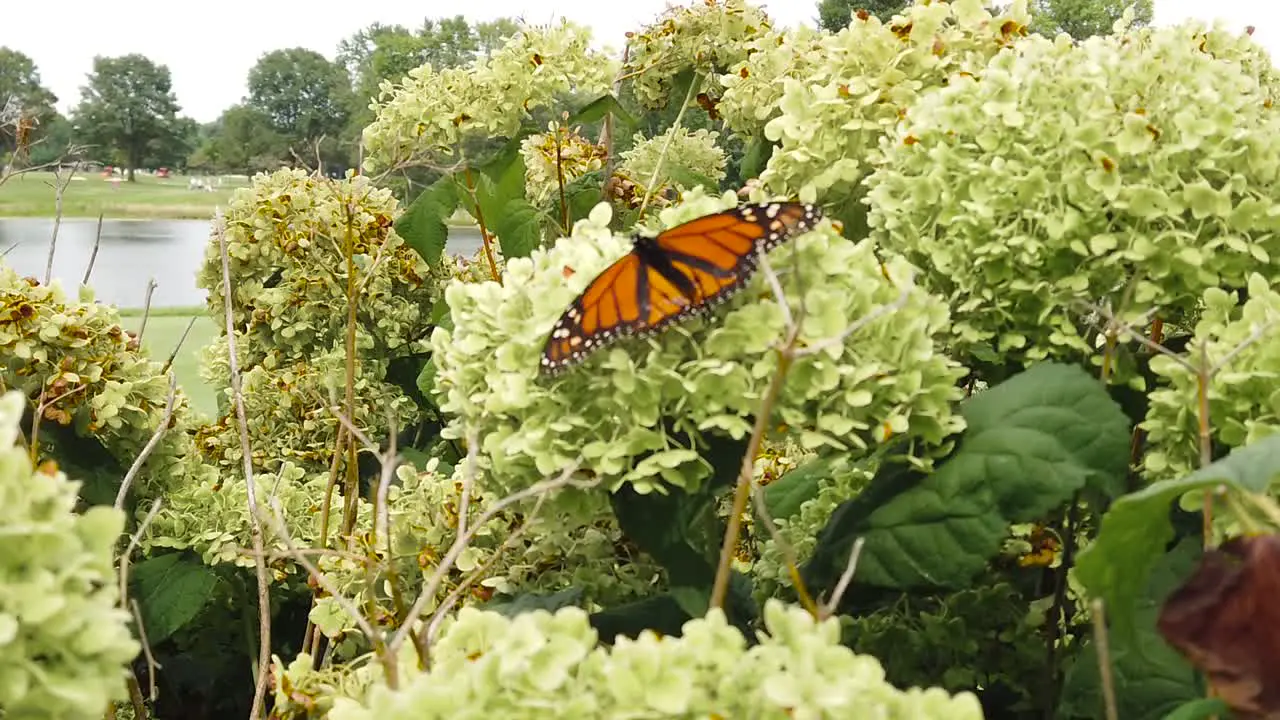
(1226, 620)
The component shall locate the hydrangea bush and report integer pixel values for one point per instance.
(571, 545)
(64, 641)
(845, 92)
(432, 110)
(541, 664)
(887, 379)
(682, 159)
(1135, 170)
(74, 356)
(706, 38)
(1241, 339)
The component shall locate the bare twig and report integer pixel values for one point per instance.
(181, 341)
(59, 189)
(147, 449)
(432, 586)
(122, 572)
(788, 552)
(146, 308)
(666, 146)
(93, 256)
(152, 665)
(1101, 643)
(842, 586)
(246, 451)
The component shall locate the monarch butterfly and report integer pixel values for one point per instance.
(680, 272)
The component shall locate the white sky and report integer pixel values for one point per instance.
(210, 47)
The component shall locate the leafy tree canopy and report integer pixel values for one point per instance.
(305, 95)
(127, 108)
(23, 94)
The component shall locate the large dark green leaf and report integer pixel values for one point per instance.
(597, 109)
(528, 602)
(756, 157)
(661, 613)
(171, 590)
(784, 496)
(1032, 442)
(423, 224)
(518, 229)
(1152, 680)
(1136, 529)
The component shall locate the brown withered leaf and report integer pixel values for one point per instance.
(1226, 620)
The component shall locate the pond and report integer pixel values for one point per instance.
(131, 251)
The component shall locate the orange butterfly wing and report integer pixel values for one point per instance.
(684, 270)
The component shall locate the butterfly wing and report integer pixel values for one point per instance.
(684, 270)
(606, 308)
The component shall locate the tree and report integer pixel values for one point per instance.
(243, 140)
(834, 15)
(29, 104)
(127, 107)
(1082, 19)
(173, 149)
(302, 93)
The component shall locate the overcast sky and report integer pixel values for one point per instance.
(210, 47)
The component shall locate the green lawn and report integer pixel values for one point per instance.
(164, 329)
(32, 195)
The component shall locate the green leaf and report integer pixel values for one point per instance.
(1031, 443)
(171, 590)
(1137, 527)
(784, 496)
(1200, 709)
(583, 194)
(661, 613)
(518, 229)
(441, 315)
(427, 377)
(686, 178)
(500, 181)
(1093, 428)
(528, 602)
(1152, 678)
(597, 109)
(756, 157)
(423, 224)
(693, 600)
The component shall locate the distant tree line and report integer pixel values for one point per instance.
(304, 109)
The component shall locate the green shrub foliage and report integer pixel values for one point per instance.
(64, 640)
(1063, 174)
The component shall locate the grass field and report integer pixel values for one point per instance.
(88, 194)
(164, 328)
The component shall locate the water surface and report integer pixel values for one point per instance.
(131, 251)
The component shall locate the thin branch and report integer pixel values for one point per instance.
(666, 146)
(147, 449)
(432, 585)
(59, 189)
(251, 492)
(842, 586)
(152, 665)
(181, 341)
(788, 552)
(146, 308)
(93, 257)
(1101, 643)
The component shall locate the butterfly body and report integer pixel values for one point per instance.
(678, 273)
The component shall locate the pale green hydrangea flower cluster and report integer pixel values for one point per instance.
(540, 665)
(210, 516)
(754, 86)
(704, 377)
(64, 641)
(705, 37)
(286, 239)
(93, 376)
(1134, 170)
(1244, 398)
(569, 544)
(433, 110)
(800, 531)
(688, 155)
(561, 151)
(860, 83)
